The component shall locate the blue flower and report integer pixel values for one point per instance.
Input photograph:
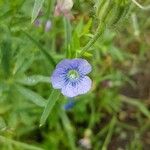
(70, 77)
(70, 104)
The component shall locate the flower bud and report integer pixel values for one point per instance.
(48, 26)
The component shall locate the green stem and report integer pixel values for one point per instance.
(18, 144)
(54, 96)
(137, 104)
(68, 128)
(99, 32)
(110, 133)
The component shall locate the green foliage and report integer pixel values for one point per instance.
(115, 111)
(50, 104)
(36, 9)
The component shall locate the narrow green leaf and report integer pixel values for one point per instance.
(23, 63)
(36, 9)
(68, 128)
(6, 54)
(68, 31)
(2, 124)
(110, 133)
(116, 53)
(45, 53)
(33, 80)
(49, 106)
(86, 28)
(137, 104)
(6, 14)
(32, 96)
(18, 144)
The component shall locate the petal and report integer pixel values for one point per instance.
(69, 105)
(58, 78)
(81, 87)
(83, 66)
(84, 85)
(64, 64)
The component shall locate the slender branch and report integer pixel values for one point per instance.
(99, 32)
(110, 133)
(140, 6)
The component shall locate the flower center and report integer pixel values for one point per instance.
(73, 74)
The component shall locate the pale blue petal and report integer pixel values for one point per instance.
(58, 78)
(81, 87)
(64, 64)
(82, 65)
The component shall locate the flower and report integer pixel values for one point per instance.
(70, 104)
(48, 25)
(37, 23)
(63, 7)
(70, 77)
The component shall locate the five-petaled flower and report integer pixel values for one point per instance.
(71, 77)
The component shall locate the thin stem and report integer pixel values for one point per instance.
(68, 128)
(135, 25)
(99, 32)
(140, 6)
(18, 144)
(137, 104)
(110, 133)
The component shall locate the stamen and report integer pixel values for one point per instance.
(73, 74)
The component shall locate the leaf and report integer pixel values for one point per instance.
(36, 9)
(33, 80)
(74, 45)
(23, 63)
(116, 53)
(110, 133)
(6, 56)
(136, 103)
(19, 144)
(86, 28)
(49, 106)
(68, 31)
(2, 124)
(32, 96)
(68, 128)
(46, 54)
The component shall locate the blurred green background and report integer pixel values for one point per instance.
(114, 115)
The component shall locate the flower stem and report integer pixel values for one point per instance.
(99, 32)
(140, 6)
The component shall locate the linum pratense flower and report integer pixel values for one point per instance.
(70, 104)
(71, 77)
(63, 7)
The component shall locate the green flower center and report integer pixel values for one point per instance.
(73, 74)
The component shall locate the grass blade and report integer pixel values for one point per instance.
(6, 56)
(32, 96)
(110, 133)
(68, 128)
(49, 106)
(20, 145)
(36, 9)
(46, 54)
(33, 80)
(137, 104)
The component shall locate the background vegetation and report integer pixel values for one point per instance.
(114, 115)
